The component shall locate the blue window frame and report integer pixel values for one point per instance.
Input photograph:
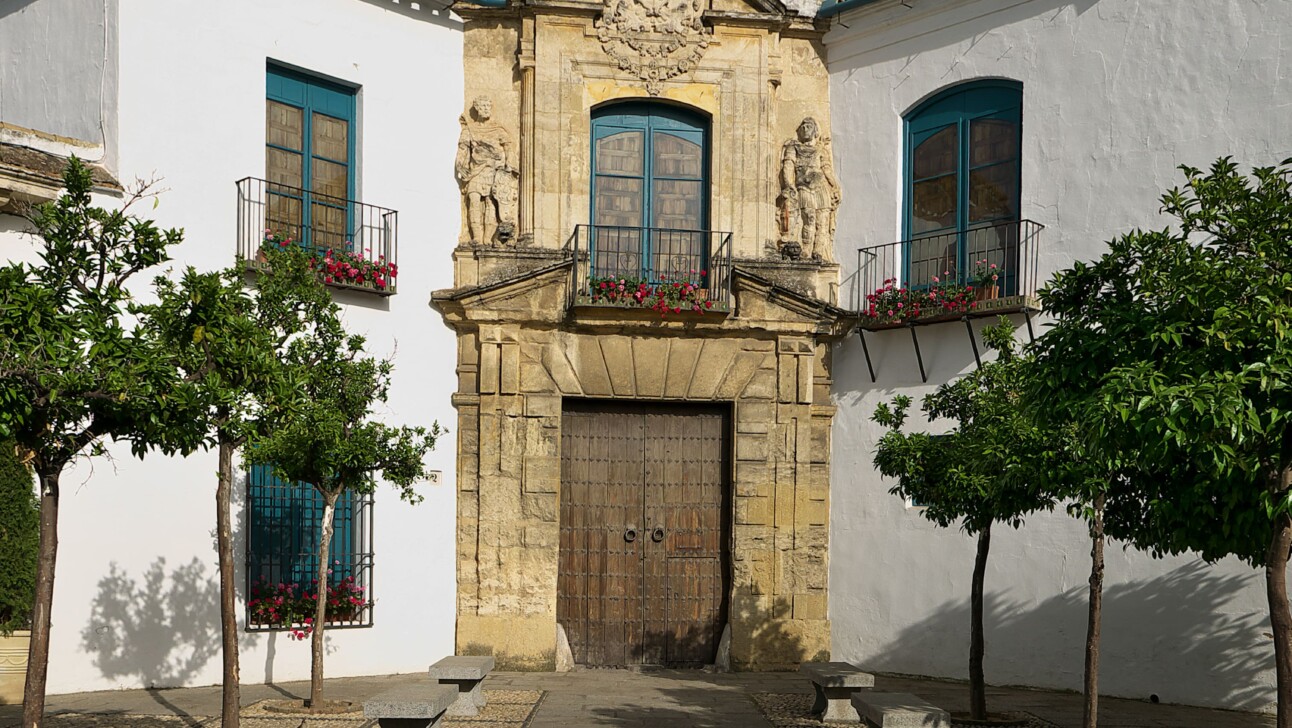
(309, 158)
(283, 521)
(650, 189)
(962, 162)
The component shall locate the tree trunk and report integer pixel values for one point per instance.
(1276, 589)
(316, 638)
(977, 682)
(33, 697)
(231, 702)
(1090, 717)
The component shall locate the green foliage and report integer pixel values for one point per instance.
(991, 466)
(19, 539)
(1171, 355)
(73, 369)
(326, 436)
(229, 344)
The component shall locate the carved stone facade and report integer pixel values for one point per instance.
(525, 345)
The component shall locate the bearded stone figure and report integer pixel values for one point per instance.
(809, 195)
(490, 182)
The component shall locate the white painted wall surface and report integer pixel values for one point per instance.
(1116, 93)
(192, 105)
(58, 73)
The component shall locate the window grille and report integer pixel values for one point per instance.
(283, 521)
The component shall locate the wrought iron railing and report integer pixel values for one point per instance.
(363, 234)
(282, 552)
(993, 266)
(647, 259)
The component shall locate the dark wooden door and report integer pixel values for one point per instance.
(642, 575)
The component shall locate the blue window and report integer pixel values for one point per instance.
(283, 521)
(650, 190)
(309, 158)
(962, 183)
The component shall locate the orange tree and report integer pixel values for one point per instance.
(1173, 351)
(989, 468)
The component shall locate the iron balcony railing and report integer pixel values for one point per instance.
(646, 261)
(986, 269)
(364, 236)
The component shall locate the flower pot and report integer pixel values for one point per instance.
(13, 666)
(987, 293)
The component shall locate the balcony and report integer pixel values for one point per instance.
(984, 271)
(356, 241)
(674, 273)
(955, 276)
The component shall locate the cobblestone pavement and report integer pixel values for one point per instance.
(663, 698)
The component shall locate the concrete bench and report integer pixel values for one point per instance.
(467, 675)
(898, 710)
(835, 683)
(411, 706)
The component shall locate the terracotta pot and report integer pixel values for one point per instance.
(986, 293)
(13, 667)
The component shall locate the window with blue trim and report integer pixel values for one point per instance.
(283, 521)
(963, 149)
(309, 158)
(650, 190)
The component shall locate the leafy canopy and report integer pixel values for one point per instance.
(1173, 352)
(988, 468)
(327, 436)
(73, 368)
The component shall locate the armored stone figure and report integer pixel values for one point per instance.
(809, 195)
(490, 183)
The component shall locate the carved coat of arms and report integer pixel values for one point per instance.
(654, 40)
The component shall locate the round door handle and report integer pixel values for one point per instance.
(658, 534)
(630, 535)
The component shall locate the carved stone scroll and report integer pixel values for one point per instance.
(654, 40)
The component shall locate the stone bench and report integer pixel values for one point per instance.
(898, 710)
(411, 706)
(835, 683)
(467, 675)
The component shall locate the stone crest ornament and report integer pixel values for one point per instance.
(490, 182)
(654, 40)
(809, 195)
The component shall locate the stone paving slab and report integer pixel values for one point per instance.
(668, 698)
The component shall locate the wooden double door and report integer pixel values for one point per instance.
(642, 578)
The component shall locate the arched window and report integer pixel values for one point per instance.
(650, 189)
(962, 183)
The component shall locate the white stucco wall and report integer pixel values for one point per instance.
(192, 109)
(58, 75)
(1116, 93)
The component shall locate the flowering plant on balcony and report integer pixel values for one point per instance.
(344, 267)
(891, 303)
(669, 295)
(291, 606)
(985, 278)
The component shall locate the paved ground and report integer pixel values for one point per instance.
(668, 698)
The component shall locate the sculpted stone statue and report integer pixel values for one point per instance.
(809, 195)
(490, 182)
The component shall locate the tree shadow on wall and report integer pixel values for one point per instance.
(1174, 635)
(160, 631)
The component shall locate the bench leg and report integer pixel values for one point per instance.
(839, 705)
(819, 705)
(471, 697)
(410, 722)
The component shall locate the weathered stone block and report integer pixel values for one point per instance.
(753, 511)
(835, 683)
(898, 710)
(410, 705)
(810, 606)
(539, 506)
